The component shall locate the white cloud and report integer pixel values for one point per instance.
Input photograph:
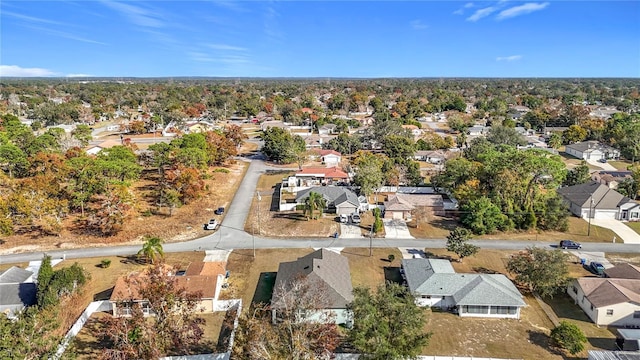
(79, 75)
(468, 5)
(226, 47)
(418, 25)
(136, 14)
(480, 13)
(32, 19)
(509, 58)
(521, 10)
(17, 71)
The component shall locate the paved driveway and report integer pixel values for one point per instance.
(350, 231)
(396, 229)
(603, 166)
(625, 233)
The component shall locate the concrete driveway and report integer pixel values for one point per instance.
(625, 233)
(591, 256)
(396, 229)
(603, 166)
(350, 231)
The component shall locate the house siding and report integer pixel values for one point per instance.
(623, 313)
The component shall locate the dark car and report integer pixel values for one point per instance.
(603, 160)
(219, 211)
(569, 244)
(596, 268)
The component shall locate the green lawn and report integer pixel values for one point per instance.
(634, 225)
(619, 164)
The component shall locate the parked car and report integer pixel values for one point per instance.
(219, 211)
(596, 268)
(211, 225)
(603, 160)
(344, 218)
(355, 218)
(569, 244)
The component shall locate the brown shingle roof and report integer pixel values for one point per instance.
(623, 271)
(604, 291)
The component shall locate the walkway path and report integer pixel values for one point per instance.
(625, 233)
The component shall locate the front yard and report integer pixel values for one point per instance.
(634, 225)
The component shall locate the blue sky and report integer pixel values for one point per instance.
(320, 38)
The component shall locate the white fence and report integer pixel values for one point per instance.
(103, 305)
(407, 189)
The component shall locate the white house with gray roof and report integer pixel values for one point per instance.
(435, 283)
(17, 290)
(598, 201)
(339, 199)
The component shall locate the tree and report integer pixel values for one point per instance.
(555, 140)
(458, 243)
(315, 201)
(82, 133)
(291, 336)
(482, 216)
(574, 134)
(368, 173)
(578, 175)
(31, 335)
(542, 271)
(45, 274)
(398, 146)
(568, 336)
(389, 324)
(506, 136)
(281, 146)
(152, 249)
(174, 326)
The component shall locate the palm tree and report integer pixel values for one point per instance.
(314, 202)
(151, 249)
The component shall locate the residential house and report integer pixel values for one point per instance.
(198, 127)
(329, 157)
(477, 130)
(313, 141)
(592, 150)
(611, 178)
(205, 278)
(328, 273)
(339, 199)
(608, 301)
(415, 131)
(401, 206)
(328, 129)
(598, 201)
(266, 125)
(107, 144)
(628, 340)
(312, 176)
(17, 290)
(623, 271)
(435, 283)
(430, 156)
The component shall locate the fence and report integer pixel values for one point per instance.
(103, 305)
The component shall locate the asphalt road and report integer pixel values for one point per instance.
(231, 235)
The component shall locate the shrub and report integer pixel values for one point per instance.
(105, 263)
(221, 170)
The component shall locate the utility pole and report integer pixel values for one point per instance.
(259, 232)
(590, 215)
(371, 241)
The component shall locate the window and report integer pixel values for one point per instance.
(473, 309)
(504, 310)
(636, 314)
(426, 296)
(609, 312)
(575, 289)
(591, 307)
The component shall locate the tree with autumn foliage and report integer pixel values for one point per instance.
(174, 327)
(235, 134)
(291, 336)
(108, 211)
(187, 182)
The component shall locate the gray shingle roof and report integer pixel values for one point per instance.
(436, 277)
(323, 268)
(603, 197)
(15, 296)
(14, 275)
(587, 146)
(334, 195)
(613, 355)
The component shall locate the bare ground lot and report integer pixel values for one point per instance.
(185, 223)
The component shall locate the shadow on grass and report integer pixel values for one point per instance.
(483, 270)
(444, 223)
(431, 255)
(564, 307)
(103, 295)
(603, 343)
(225, 331)
(392, 274)
(264, 288)
(291, 216)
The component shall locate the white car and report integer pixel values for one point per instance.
(344, 218)
(355, 218)
(211, 225)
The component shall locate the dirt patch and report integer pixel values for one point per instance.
(185, 223)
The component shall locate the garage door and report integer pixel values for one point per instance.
(611, 215)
